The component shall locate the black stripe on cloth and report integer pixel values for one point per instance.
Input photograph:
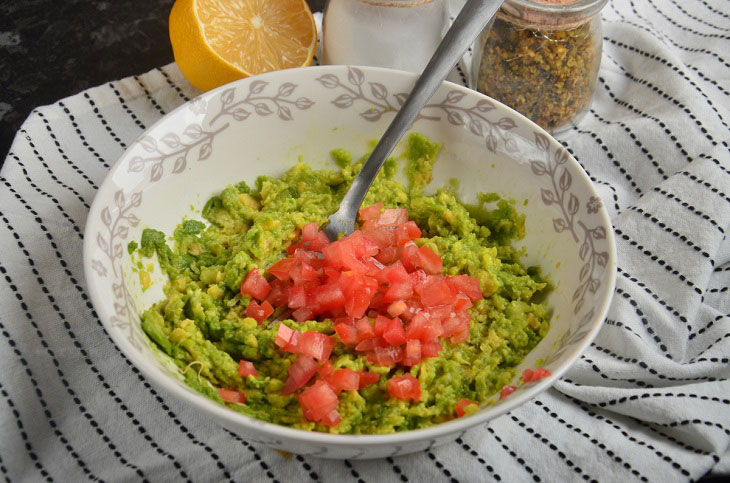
(495, 476)
(659, 122)
(4, 470)
(717, 341)
(592, 178)
(29, 447)
(398, 471)
(723, 360)
(644, 322)
(651, 370)
(725, 268)
(149, 96)
(719, 290)
(715, 161)
(154, 393)
(514, 455)
(441, 467)
(664, 95)
(307, 467)
(603, 375)
(687, 422)
(713, 10)
(697, 19)
(43, 193)
(124, 105)
(62, 153)
(50, 172)
(81, 136)
(636, 397)
(617, 323)
(674, 312)
(173, 85)
(41, 399)
(78, 345)
(658, 260)
(691, 208)
(554, 448)
(353, 471)
(674, 440)
(103, 121)
(626, 435)
(674, 233)
(704, 183)
(709, 324)
(85, 297)
(633, 136)
(592, 440)
(610, 156)
(256, 456)
(685, 28)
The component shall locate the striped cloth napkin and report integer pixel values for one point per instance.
(647, 401)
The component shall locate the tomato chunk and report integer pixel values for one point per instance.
(467, 285)
(506, 391)
(367, 378)
(315, 345)
(429, 260)
(371, 212)
(528, 375)
(300, 372)
(345, 380)
(331, 419)
(232, 396)
(259, 312)
(394, 333)
(246, 368)
(318, 401)
(255, 285)
(405, 387)
(413, 352)
(462, 405)
(282, 269)
(347, 334)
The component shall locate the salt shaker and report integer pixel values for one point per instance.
(400, 34)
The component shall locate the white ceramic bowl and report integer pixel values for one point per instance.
(262, 125)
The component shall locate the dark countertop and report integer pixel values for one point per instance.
(51, 49)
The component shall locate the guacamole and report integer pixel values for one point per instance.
(202, 325)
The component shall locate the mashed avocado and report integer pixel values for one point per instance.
(201, 323)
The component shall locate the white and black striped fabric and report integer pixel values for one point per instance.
(648, 401)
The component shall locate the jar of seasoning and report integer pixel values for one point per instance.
(541, 57)
(401, 34)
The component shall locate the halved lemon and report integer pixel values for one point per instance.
(219, 41)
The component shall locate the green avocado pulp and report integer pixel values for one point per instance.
(201, 322)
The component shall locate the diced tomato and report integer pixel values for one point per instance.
(393, 217)
(294, 247)
(417, 277)
(309, 232)
(327, 297)
(304, 272)
(435, 291)
(367, 378)
(297, 297)
(528, 375)
(345, 380)
(331, 419)
(430, 348)
(300, 372)
(394, 333)
(406, 232)
(246, 368)
(282, 269)
(506, 391)
(413, 352)
(278, 295)
(397, 308)
(326, 370)
(429, 260)
(371, 212)
(259, 312)
(423, 327)
(467, 285)
(232, 396)
(365, 329)
(398, 291)
(315, 345)
(255, 285)
(405, 387)
(347, 334)
(386, 356)
(318, 401)
(462, 405)
(370, 344)
(409, 256)
(302, 314)
(381, 323)
(387, 255)
(462, 302)
(285, 336)
(319, 242)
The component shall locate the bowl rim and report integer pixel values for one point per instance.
(248, 423)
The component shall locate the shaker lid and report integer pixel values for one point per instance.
(550, 14)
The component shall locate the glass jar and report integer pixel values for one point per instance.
(541, 57)
(401, 34)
